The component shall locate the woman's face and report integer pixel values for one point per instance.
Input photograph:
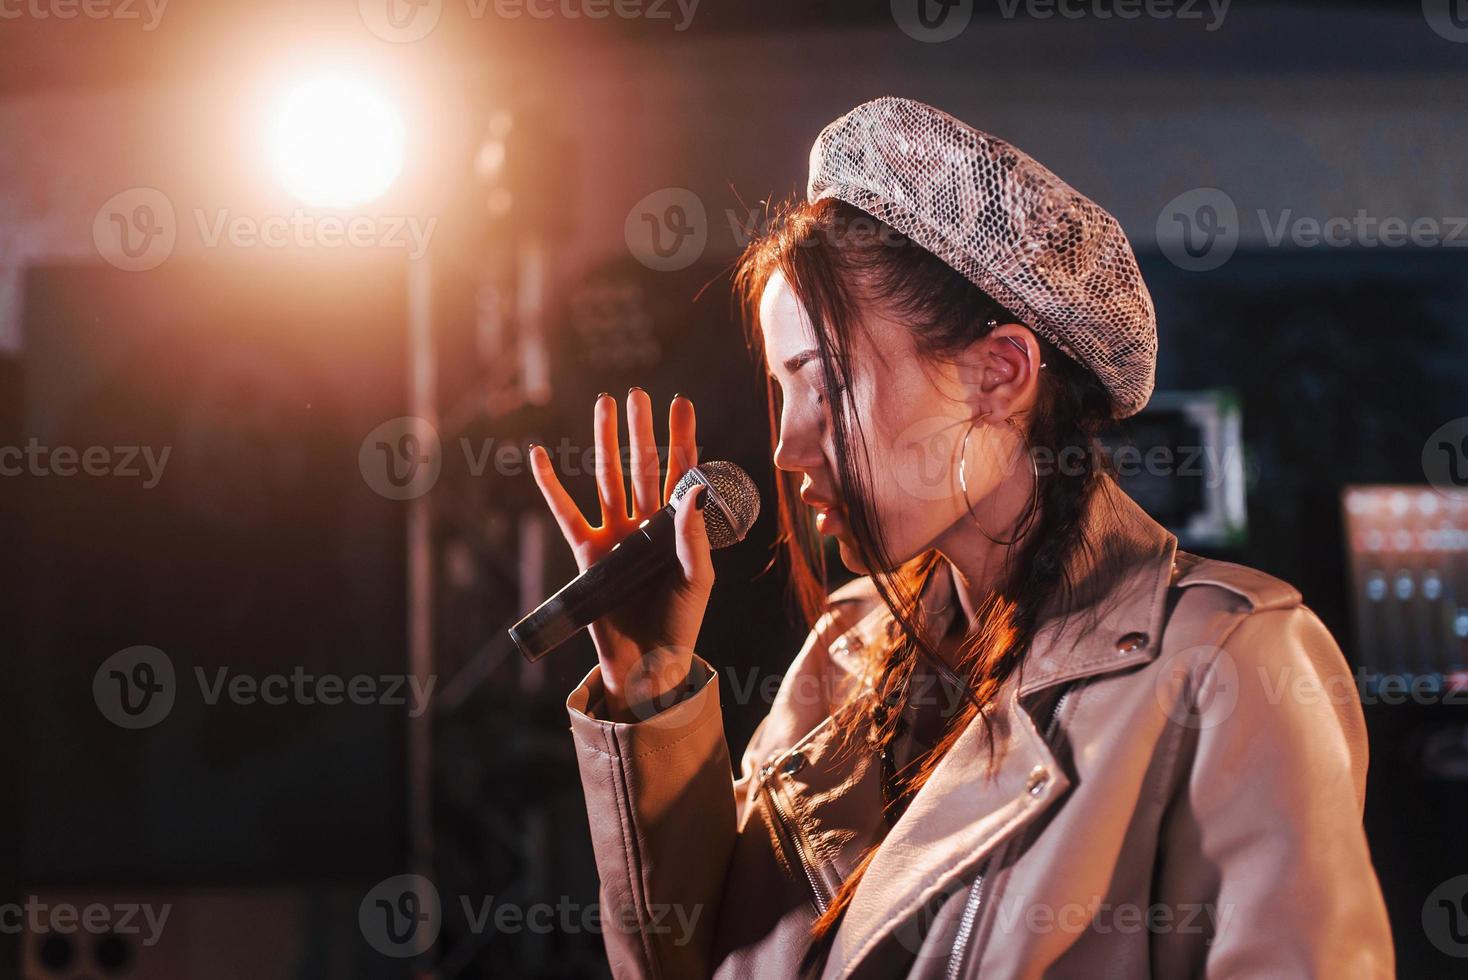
(913, 412)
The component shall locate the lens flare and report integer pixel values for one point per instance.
(337, 142)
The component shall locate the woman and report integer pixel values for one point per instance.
(1034, 738)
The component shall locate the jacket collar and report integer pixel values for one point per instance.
(1112, 620)
(1112, 617)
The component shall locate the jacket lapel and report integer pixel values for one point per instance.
(1113, 620)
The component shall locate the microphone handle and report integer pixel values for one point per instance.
(608, 583)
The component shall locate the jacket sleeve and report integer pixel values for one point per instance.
(660, 798)
(1262, 846)
(665, 807)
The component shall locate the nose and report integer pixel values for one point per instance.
(799, 448)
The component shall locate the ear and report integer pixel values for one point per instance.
(1003, 368)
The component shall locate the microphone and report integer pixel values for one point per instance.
(730, 511)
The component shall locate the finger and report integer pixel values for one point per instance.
(682, 442)
(691, 539)
(609, 486)
(573, 525)
(645, 465)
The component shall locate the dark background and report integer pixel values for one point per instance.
(264, 548)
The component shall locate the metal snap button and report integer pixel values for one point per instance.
(1130, 642)
(793, 764)
(1039, 776)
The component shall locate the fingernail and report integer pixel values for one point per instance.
(603, 395)
(635, 388)
(677, 395)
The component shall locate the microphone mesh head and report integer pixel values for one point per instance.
(733, 502)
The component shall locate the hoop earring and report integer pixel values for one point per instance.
(1034, 507)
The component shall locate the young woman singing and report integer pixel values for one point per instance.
(1033, 738)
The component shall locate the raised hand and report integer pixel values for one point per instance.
(646, 647)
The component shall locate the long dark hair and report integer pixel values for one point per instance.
(836, 259)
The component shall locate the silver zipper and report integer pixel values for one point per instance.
(791, 832)
(976, 890)
(966, 924)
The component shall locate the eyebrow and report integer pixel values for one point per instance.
(797, 361)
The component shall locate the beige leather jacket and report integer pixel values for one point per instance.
(1178, 793)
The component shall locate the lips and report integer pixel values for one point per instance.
(820, 503)
(830, 516)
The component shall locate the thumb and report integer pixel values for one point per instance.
(692, 539)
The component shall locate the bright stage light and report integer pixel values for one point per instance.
(337, 142)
